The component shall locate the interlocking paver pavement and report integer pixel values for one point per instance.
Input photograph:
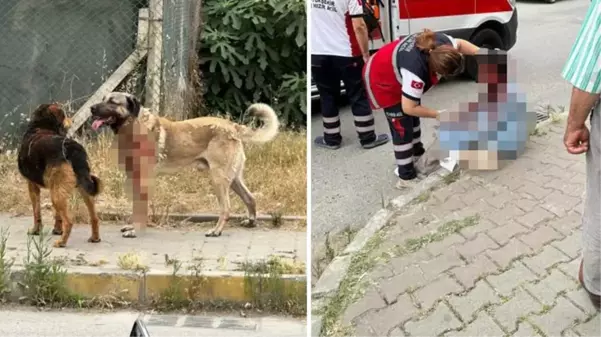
(511, 273)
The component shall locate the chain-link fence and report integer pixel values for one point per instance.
(76, 51)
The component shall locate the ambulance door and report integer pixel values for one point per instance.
(393, 26)
(439, 15)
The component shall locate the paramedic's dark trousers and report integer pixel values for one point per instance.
(406, 140)
(327, 72)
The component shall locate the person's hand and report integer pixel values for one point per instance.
(576, 139)
(365, 58)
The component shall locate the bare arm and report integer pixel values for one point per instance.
(581, 104)
(360, 29)
(410, 107)
(466, 47)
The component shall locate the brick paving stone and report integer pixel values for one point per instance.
(567, 224)
(474, 247)
(474, 195)
(362, 327)
(483, 225)
(534, 190)
(468, 274)
(545, 259)
(559, 318)
(504, 233)
(511, 180)
(479, 208)
(540, 237)
(570, 268)
(520, 305)
(433, 268)
(526, 204)
(592, 328)
(475, 299)
(437, 248)
(559, 203)
(511, 279)
(437, 322)
(501, 199)
(401, 263)
(571, 245)
(549, 288)
(438, 289)
(370, 300)
(483, 326)
(382, 271)
(386, 319)
(397, 332)
(452, 204)
(392, 287)
(525, 329)
(504, 215)
(580, 298)
(534, 217)
(513, 250)
(555, 172)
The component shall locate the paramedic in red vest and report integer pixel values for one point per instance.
(397, 76)
(339, 47)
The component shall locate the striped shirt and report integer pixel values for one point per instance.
(583, 68)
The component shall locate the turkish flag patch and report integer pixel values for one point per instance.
(417, 85)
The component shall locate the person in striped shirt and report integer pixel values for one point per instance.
(583, 71)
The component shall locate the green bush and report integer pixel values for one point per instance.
(255, 51)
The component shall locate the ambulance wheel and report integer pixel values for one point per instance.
(484, 38)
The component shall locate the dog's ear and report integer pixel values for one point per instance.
(133, 105)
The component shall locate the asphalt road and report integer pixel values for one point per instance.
(27, 322)
(348, 184)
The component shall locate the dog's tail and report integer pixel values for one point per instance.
(91, 184)
(270, 128)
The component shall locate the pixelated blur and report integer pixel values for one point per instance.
(484, 134)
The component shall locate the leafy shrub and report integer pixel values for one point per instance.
(255, 51)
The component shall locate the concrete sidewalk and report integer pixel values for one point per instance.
(493, 253)
(217, 259)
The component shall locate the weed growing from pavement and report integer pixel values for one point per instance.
(451, 177)
(353, 284)
(44, 280)
(5, 265)
(131, 261)
(333, 245)
(267, 289)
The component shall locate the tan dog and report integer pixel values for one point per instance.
(208, 143)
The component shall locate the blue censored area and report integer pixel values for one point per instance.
(500, 126)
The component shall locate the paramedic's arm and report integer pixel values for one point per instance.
(413, 89)
(355, 10)
(362, 37)
(463, 46)
(466, 47)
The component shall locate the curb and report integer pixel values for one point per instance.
(335, 272)
(144, 288)
(198, 217)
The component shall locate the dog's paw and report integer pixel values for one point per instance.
(250, 223)
(128, 234)
(33, 231)
(57, 231)
(94, 240)
(60, 244)
(127, 228)
(212, 234)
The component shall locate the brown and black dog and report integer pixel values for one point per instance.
(48, 159)
(210, 144)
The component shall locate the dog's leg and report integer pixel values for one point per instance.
(242, 191)
(221, 186)
(58, 224)
(89, 201)
(34, 195)
(59, 197)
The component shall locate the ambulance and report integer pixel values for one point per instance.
(485, 23)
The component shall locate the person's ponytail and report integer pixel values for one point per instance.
(426, 41)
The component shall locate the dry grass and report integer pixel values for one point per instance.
(275, 173)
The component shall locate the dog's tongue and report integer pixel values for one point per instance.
(97, 124)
